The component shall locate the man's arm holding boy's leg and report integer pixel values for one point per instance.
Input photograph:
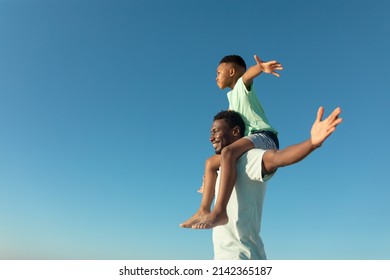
(320, 131)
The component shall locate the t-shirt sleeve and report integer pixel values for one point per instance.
(241, 88)
(253, 168)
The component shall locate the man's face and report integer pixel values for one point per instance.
(224, 78)
(221, 135)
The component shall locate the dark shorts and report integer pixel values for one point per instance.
(264, 139)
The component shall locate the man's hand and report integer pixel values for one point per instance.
(269, 66)
(322, 129)
(273, 159)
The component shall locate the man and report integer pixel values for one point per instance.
(239, 238)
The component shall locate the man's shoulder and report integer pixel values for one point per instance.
(251, 163)
(253, 154)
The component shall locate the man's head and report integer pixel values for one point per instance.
(229, 70)
(227, 128)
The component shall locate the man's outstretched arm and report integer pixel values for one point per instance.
(320, 131)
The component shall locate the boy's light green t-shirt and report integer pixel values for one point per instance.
(248, 106)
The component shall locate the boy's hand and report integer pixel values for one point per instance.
(269, 66)
(322, 129)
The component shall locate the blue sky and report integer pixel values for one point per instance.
(105, 111)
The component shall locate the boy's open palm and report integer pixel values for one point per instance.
(322, 129)
(269, 66)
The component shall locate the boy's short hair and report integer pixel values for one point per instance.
(236, 59)
(232, 119)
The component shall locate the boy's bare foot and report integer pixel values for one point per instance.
(196, 218)
(212, 220)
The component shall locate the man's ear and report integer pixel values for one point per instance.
(236, 131)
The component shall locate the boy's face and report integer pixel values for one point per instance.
(225, 73)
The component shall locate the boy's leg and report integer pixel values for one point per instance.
(229, 157)
(210, 177)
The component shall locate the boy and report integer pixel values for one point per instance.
(232, 73)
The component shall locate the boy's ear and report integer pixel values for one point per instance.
(232, 71)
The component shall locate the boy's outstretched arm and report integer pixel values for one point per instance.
(320, 131)
(269, 67)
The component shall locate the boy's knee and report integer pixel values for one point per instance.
(228, 153)
(213, 162)
(208, 162)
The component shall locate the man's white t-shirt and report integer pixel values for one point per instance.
(240, 238)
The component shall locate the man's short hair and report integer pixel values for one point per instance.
(236, 59)
(232, 119)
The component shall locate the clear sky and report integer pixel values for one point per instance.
(106, 106)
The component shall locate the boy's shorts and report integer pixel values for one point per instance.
(266, 140)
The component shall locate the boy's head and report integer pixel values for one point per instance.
(234, 59)
(229, 70)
